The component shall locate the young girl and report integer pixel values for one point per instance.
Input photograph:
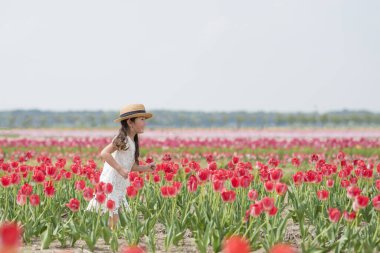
(121, 157)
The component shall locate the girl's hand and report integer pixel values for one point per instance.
(151, 166)
(124, 173)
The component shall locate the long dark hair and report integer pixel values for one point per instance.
(119, 140)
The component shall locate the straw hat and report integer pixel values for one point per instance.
(133, 110)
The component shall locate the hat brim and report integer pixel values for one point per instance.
(147, 115)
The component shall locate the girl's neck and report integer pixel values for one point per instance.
(132, 136)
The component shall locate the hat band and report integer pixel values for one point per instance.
(132, 112)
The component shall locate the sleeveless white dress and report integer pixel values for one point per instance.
(109, 175)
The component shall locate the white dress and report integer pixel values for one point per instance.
(109, 175)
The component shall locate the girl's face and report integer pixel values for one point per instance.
(138, 125)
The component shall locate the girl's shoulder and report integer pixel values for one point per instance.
(115, 136)
(127, 147)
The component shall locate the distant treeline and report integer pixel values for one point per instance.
(188, 119)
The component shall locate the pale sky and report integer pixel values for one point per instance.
(190, 55)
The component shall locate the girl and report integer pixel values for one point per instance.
(121, 157)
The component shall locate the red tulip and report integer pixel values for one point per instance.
(177, 185)
(100, 197)
(169, 176)
(236, 244)
(252, 195)
(34, 200)
(156, 178)
(268, 203)
(21, 199)
(132, 175)
(147, 176)
(235, 182)
(269, 186)
(273, 211)
(367, 173)
(100, 187)
(296, 162)
(218, 185)
(212, 166)
(273, 162)
(80, 185)
(5, 181)
(38, 176)
(203, 175)
(334, 214)
(149, 159)
(376, 202)
(330, 183)
(88, 193)
(14, 164)
(192, 184)
(245, 181)
(172, 190)
(298, 178)
(15, 178)
(345, 183)
(49, 189)
(349, 216)
(26, 189)
(353, 180)
(67, 175)
(256, 209)
(341, 155)
(281, 188)
(353, 191)
(228, 195)
(275, 174)
(235, 159)
(377, 184)
(138, 183)
(361, 201)
(311, 176)
(314, 157)
(74, 204)
(168, 191)
(75, 168)
(110, 205)
(131, 191)
(323, 194)
(166, 157)
(108, 188)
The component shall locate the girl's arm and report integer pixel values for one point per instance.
(142, 168)
(105, 154)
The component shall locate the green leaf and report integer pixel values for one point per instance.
(107, 235)
(114, 243)
(123, 219)
(216, 241)
(94, 237)
(72, 226)
(46, 238)
(178, 237)
(89, 242)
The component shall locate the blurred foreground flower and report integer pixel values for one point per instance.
(132, 249)
(282, 248)
(236, 244)
(10, 237)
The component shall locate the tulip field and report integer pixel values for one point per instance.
(306, 194)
